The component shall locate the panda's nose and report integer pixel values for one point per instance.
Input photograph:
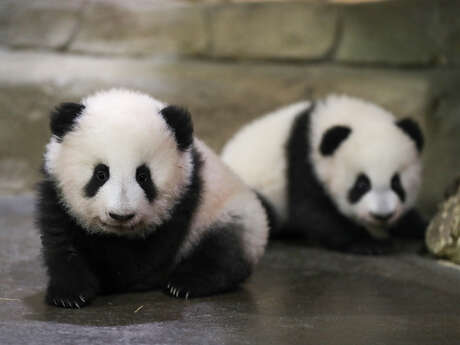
(382, 217)
(121, 217)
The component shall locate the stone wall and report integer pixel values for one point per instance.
(229, 62)
(405, 32)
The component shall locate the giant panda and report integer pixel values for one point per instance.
(340, 171)
(131, 201)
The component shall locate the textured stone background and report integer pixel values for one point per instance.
(229, 62)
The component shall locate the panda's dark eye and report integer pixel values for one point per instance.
(361, 186)
(397, 187)
(100, 176)
(141, 177)
(144, 179)
(362, 183)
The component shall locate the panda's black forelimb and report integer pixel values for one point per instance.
(72, 284)
(274, 225)
(411, 225)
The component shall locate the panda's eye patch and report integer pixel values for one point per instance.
(144, 179)
(100, 176)
(397, 187)
(361, 186)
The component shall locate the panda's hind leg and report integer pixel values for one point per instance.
(217, 264)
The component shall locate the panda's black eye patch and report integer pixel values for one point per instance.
(144, 179)
(101, 174)
(361, 186)
(397, 187)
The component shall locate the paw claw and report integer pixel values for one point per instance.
(177, 292)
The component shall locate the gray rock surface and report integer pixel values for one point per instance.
(141, 28)
(297, 295)
(44, 24)
(443, 235)
(391, 32)
(385, 33)
(273, 30)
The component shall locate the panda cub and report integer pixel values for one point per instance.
(131, 201)
(341, 171)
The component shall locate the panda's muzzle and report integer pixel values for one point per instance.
(121, 217)
(382, 217)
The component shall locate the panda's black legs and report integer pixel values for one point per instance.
(71, 284)
(328, 228)
(318, 225)
(371, 246)
(216, 265)
(411, 225)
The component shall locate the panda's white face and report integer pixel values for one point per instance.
(119, 169)
(368, 165)
(378, 193)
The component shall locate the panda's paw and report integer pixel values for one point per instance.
(69, 297)
(72, 302)
(177, 291)
(372, 248)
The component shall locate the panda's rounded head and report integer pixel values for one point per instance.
(368, 162)
(120, 160)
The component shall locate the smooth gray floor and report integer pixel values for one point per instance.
(298, 295)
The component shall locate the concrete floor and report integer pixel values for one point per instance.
(298, 295)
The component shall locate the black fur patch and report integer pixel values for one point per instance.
(273, 224)
(144, 179)
(180, 122)
(412, 129)
(361, 186)
(84, 264)
(311, 211)
(101, 175)
(332, 139)
(63, 118)
(411, 225)
(218, 264)
(397, 187)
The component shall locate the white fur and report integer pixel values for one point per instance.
(124, 129)
(226, 199)
(257, 154)
(376, 147)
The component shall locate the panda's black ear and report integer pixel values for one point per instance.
(63, 117)
(412, 129)
(332, 139)
(180, 122)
